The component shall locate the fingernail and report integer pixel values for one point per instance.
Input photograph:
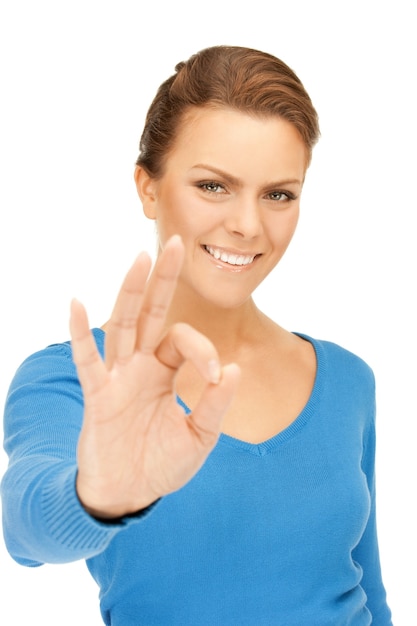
(214, 371)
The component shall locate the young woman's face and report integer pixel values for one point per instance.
(231, 188)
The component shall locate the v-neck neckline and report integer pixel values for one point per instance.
(270, 444)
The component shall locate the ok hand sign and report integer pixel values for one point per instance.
(136, 443)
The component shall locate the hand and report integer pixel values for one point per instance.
(136, 443)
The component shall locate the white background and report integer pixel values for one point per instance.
(76, 80)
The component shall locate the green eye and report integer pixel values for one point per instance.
(281, 196)
(211, 187)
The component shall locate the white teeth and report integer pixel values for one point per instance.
(233, 259)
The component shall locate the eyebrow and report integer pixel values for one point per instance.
(235, 181)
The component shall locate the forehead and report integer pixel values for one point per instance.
(231, 138)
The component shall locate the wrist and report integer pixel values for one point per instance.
(106, 511)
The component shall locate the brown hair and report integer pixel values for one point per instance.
(244, 79)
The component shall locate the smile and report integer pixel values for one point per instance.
(230, 258)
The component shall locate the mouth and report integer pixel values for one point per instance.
(231, 258)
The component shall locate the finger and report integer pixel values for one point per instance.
(184, 343)
(121, 330)
(90, 367)
(207, 417)
(158, 296)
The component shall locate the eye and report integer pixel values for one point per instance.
(211, 187)
(281, 196)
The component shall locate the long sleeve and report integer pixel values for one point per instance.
(366, 554)
(43, 520)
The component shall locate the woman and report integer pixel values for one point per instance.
(211, 467)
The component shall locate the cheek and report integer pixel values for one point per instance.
(294, 222)
(284, 227)
(187, 216)
(169, 217)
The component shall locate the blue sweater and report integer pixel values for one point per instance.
(280, 533)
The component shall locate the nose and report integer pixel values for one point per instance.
(243, 218)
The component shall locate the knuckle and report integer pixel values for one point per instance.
(124, 323)
(155, 310)
(87, 359)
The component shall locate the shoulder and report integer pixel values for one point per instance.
(52, 361)
(337, 353)
(45, 388)
(340, 362)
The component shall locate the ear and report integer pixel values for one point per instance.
(146, 188)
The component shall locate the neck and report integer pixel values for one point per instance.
(230, 330)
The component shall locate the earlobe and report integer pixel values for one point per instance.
(145, 186)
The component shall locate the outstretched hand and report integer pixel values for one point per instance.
(136, 443)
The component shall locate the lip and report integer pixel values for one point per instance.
(240, 259)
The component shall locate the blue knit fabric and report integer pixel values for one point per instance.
(280, 533)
